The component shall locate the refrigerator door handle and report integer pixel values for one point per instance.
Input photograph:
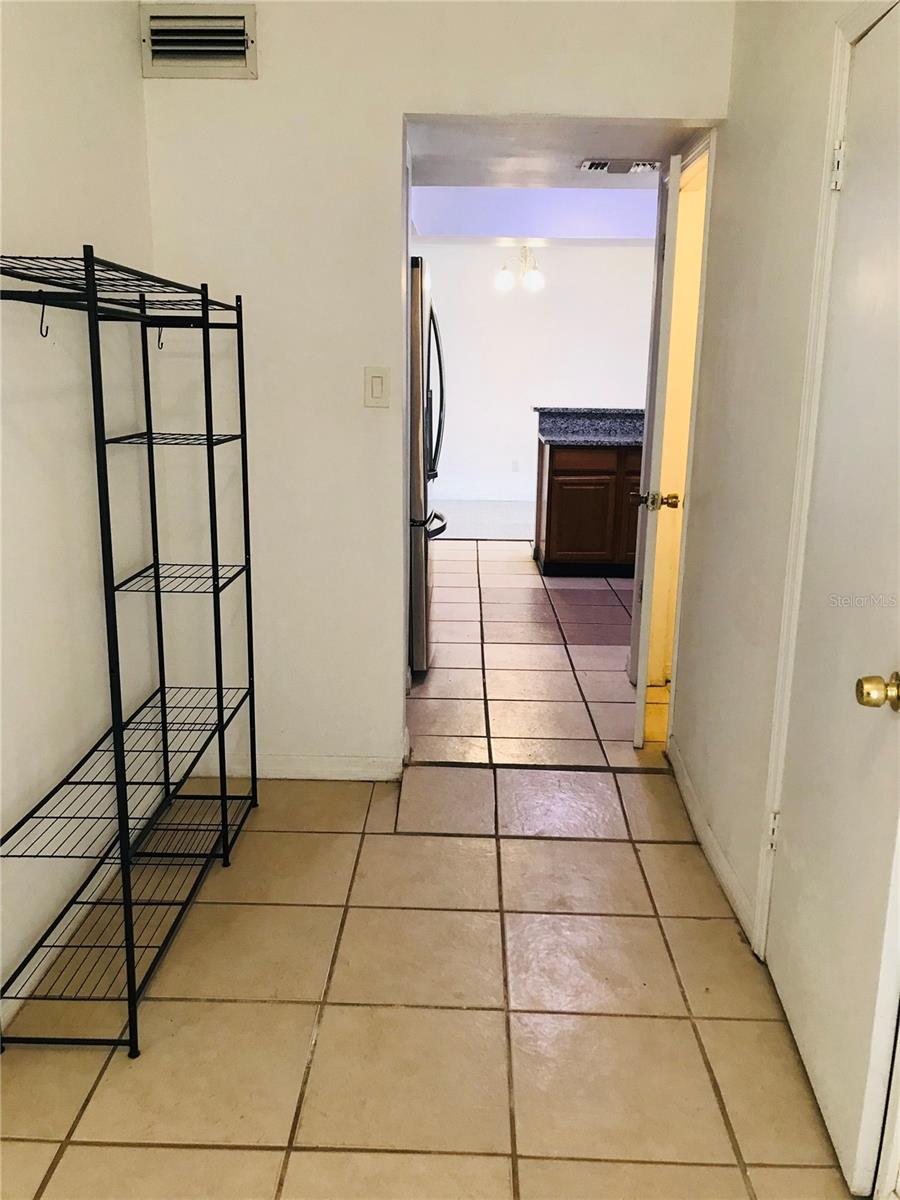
(439, 437)
(430, 532)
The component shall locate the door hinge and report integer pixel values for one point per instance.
(837, 166)
(640, 595)
(774, 819)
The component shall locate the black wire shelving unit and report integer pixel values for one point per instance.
(122, 808)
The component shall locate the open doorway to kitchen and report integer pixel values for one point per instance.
(544, 301)
(537, 298)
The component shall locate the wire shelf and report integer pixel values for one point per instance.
(79, 818)
(82, 956)
(173, 439)
(115, 284)
(181, 577)
(187, 708)
(154, 882)
(190, 828)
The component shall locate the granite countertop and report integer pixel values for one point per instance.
(591, 426)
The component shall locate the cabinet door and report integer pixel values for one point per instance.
(582, 518)
(627, 516)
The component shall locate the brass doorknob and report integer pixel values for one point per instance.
(873, 691)
(654, 500)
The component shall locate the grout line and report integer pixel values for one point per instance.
(67, 1139)
(620, 600)
(714, 1083)
(433, 1007)
(317, 1020)
(587, 707)
(269, 1147)
(513, 1139)
(487, 711)
(513, 837)
(439, 908)
(606, 768)
(676, 1162)
(545, 837)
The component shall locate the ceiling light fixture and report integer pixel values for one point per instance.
(504, 280)
(531, 279)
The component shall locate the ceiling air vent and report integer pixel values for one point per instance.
(198, 41)
(619, 166)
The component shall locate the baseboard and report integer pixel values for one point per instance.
(323, 766)
(731, 885)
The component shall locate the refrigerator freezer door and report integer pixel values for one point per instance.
(418, 599)
(418, 383)
(419, 454)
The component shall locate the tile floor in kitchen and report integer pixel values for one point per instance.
(498, 982)
(548, 653)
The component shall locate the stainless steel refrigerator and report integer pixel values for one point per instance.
(427, 406)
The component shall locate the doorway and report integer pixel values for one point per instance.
(544, 285)
(543, 296)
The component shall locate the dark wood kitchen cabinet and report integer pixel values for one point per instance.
(585, 516)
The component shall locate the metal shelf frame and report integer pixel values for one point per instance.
(123, 806)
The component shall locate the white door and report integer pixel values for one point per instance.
(834, 933)
(653, 430)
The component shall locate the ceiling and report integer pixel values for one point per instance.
(529, 151)
(529, 213)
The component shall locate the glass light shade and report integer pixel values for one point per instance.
(504, 280)
(533, 280)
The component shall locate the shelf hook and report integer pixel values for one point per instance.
(43, 329)
(159, 341)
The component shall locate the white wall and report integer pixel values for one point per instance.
(582, 342)
(768, 176)
(74, 171)
(290, 189)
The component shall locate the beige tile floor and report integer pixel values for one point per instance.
(493, 983)
(547, 654)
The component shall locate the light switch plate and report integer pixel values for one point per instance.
(377, 393)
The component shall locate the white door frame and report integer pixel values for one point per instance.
(849, 30)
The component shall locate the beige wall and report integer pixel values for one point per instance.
(290, 189)
(74, 171)
(768, 178)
